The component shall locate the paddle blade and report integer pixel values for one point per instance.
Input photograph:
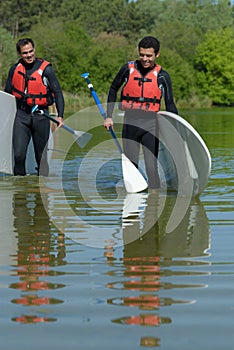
(82, 138)
(133, 180)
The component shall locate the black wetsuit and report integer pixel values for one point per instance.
(36, 126)
(141, 127)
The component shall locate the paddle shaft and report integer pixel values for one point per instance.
(103, 113)
(55, 121)
(81, 138)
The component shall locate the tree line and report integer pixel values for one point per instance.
(77, 36)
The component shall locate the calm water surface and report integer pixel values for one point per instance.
(78, 272)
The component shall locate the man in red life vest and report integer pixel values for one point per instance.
(33, 82)
(145, 83)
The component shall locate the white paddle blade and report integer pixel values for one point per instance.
(133, 180)
(82, 138)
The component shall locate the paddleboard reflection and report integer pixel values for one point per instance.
(156, 263)
(145, 223)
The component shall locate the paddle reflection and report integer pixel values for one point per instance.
(38, 251)
(149, 257)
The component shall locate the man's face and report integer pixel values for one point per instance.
(27, 53)
(147, 57)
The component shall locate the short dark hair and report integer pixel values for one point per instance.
(23, 42)
(148, 42)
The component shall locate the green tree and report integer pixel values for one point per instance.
(181, 72)
(200, 14)
(66, 46)
(17, 16)
(107, 54)
(72, 52)
(8, 54)
(81, 35)
(121, 17)
(214, 64)
(181, 25)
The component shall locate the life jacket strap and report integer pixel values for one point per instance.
(153, 100)
(143, 79)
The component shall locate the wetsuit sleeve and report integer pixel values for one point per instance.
(54, 86)
(164, 81)
(116, 84)
(8, 88)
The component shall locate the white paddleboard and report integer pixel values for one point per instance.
(184, 159)
(7, 116)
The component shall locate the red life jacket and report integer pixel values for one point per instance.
(141, 92)
(31, 88)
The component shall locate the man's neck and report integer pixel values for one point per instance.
(28, 66)
(143, 70)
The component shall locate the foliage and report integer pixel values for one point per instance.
(7, 54)
(66, 46)
(100, 36)
(17, 16)
(73, 52)
(98, 16)
(108, 54)
(181, 73)
(215, 69)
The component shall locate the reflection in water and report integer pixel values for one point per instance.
(149, 254)
(147, 293)
(189, 238)
(33, 319)
(8, 239)
(37, 252)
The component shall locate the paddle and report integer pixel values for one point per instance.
(133, 179)
(81, 138)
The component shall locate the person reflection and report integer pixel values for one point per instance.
(148, 249)
(142, 264)
(37, 252)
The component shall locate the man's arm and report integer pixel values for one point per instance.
(8, 85)
(118, 81)
(165, 81)
(54, 86)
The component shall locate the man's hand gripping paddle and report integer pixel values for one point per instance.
(81, 138)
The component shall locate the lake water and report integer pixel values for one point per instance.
(78, 272)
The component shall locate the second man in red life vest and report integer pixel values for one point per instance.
(144, 84)
(33, 82)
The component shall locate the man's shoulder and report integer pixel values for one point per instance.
(163, 73)
(41, 62)
(14, 65)
(44, 65)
